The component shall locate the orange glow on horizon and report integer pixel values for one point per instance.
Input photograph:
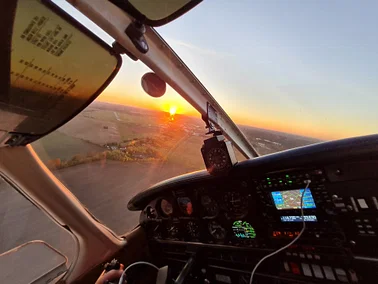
(177, 105)
(168, 103)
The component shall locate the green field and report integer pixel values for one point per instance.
(58, 145)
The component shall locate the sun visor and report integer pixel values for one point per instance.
(58, 67)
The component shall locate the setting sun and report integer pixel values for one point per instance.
(172, 110)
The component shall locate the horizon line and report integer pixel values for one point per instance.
(193, 116)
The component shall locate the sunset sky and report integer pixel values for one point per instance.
(305, 67)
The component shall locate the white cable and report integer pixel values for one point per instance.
(289, 244)
(135, 263)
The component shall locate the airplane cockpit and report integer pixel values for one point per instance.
(217, 229)
(306, 213)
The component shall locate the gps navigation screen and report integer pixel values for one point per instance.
(291, 199)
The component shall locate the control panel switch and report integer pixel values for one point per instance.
(354, 204)
(286, 267)
(341, 275)
(295, 268)
(353, 276)
(362, 203)
(317, 271)
(328, 272)
(375, 202)
(339, 205)
(306, 269)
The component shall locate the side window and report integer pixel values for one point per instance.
(26, 232)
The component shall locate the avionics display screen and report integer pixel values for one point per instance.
(307, 218)
(291, 199)
(243, 230)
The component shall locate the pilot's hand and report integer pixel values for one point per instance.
(110, 276)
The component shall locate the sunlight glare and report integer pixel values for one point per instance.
(172, 110)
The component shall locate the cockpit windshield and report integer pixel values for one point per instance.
(79, 115)
(287, 78)
(288, 75)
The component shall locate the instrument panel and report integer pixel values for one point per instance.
(203, 214)
(249, 212)
(252, 216)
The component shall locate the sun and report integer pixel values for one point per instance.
(172, 110)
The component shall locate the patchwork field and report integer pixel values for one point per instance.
(132, 134)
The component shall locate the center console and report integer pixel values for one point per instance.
(341, 223)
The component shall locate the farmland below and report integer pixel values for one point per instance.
(112, 132)
(106, 131)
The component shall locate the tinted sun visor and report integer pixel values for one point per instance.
(158, 12)
(57, 68)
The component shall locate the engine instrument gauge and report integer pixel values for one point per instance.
(172, 232)
(216, 231)
(210, 206)
(192, 230)
(166, 207)
(218, 158)
(150, 212)
(218, 154)
(185, 205)
(236, 204)
(156, 233)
